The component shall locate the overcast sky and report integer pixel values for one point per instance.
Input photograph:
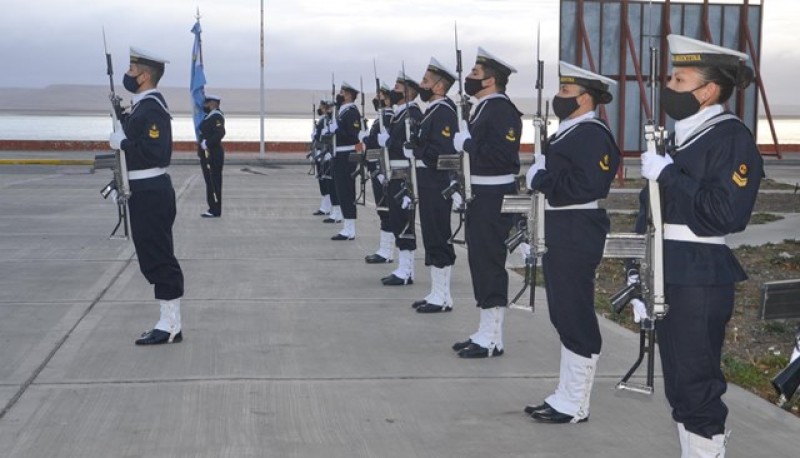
(44, 42)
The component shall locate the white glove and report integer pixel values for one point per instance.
(639, 310)
(408, 153)
(381, 178)
(383, 137)
(332, 127)
(461, 136)
(538, 164)
(795, 354)
(457, 201)
(327, 157)
(406, 203)
(653, 164)
(362, 134)
(524, 251)
(203, 144)
(115, 139)
(114, 195)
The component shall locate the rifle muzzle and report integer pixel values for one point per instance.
(787, 381)
(624, 296)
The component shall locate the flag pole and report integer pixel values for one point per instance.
(261, 152)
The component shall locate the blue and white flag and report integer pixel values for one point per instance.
(198, 81)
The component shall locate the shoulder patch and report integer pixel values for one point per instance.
(740, 175)
(446, 132)
(511, 135)
(154, 132)
(604, 163)
(219, 123)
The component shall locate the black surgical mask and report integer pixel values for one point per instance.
(425, 93)
(564, 106)
(395, 96)
(130, 84)
(679, 105)
(339, 100)
(319, 111)
(207, 110)
(472, 86)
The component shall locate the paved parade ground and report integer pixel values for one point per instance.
(292, 347)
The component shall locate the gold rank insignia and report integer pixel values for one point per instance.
(446, 131)
(604, 163)
(511, 135)
(357, 125)
(219, 123)
(740, 176)
(154, 133)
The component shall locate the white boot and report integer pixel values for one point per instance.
(701, 447)
(490, 329)
(405, 268)
(435, 297)
(170, 317)
(349, 229)
(336, 213)
(448, 274)
(574, 385)
(683, 437)
(325, 205)
(386, 250)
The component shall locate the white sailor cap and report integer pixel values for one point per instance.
(349, 87)
(212, 98)
(489, 60)
(688, 52)
(594, 83)
(385, 87)
(140, 56)
(437, 68)
(407, 80)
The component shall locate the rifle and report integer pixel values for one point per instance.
(459, 161)
(312, 147)
(651, 268)
(385, 165)
(361, 158)
(412, 166)
(116, 160)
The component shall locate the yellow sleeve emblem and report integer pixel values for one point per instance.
(740, 176)
(357, 124)
(511, 135)
(154, 133)
(219, 123)
(604, 163)
(446, 132)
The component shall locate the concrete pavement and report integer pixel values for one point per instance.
(293, 348)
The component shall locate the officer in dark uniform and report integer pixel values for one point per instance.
(379, 180)
(323, 159)
(491, 138)
(401, 216)
(435, 137)
(709, 185)
(582, 159)
(346, 127)
(147, 141)
(212, 131)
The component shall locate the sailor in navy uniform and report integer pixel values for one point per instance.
(321, 161)
(346, 127)
(582, 159)
(491, 138)
(212, 131)
(435, 137)
(385, 252)
(400, 217)
(709, 186)
(147, 141)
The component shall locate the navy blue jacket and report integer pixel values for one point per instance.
(436, 132)
(148, 129)
(496, 129)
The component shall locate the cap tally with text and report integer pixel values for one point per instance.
(487, 59)
(597, 84)
(688, 52)
(437, 68)
(212, 98)
(407, 80)
(349, 87)
(142, 57)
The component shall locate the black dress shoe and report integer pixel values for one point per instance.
(473, 351)
(319, 213)
(551, 415)
(158, 337)
(208, 214)
(342, 237)
(417, 304)
(376, 259)
(331, 220)
(530, 408)
(394, 280)
(433, 308)
(458, 346)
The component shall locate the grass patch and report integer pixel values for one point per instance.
(764, 218)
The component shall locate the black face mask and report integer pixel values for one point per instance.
(679, 105)
(396, 96)
(206, 110)
(564, 106)
(319, 111)
(425, 94)
(472, 86)
(339, 100)
(129, 83)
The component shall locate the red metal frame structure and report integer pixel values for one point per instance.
(627, 47)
